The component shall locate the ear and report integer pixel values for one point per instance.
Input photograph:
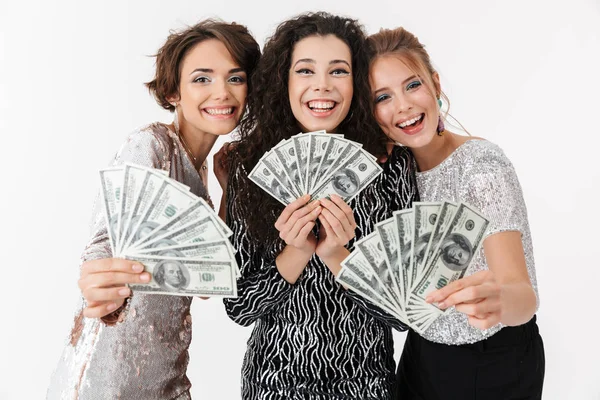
(436, 83)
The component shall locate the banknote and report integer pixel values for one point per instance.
(175, 234)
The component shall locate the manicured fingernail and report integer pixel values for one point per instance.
(137, 268)
(111, 307)
(428, 299)
(145, 277)
(442, 305)
(123, 292)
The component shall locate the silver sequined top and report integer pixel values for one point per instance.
(144, 355)
(478, 173)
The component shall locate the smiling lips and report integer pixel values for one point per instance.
(219, 112)
(321, 108)
(413, 125)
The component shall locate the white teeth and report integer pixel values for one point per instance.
(410, 121)
(321, 105)
(219, 111)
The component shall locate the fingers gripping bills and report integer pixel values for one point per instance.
(410, 255)
(176, 235)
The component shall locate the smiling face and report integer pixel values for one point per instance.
(212, 89)
(320, 82)
(405, 108)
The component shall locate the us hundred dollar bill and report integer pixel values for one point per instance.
(360, 266)
(443, 221)
(150, 187)
(169, 201)
(205, 229)
(274, 164)
(316, 150)
(352, 176)
(338, 151)
(373, 249)
(425, 218)
(286, 153)
(187, 277)
(404, 226)
(300, 142)
(111, 180)
(388, 232)
(263, 177)
(354, 283)
(454, 253)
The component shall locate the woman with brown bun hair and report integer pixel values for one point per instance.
(136, 346)
(487, 346)
(311, 339)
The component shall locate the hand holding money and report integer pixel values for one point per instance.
(174, 234)
(338, 226)
(477, 296)
(296, 222)
(402, 264)
(103, 284)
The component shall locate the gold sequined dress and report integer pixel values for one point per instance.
(141, 350)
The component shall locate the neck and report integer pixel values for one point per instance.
(440, 147)
(197, 142)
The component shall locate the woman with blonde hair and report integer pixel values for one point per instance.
(488, 345)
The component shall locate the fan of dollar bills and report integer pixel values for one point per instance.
(176, 235)
(315, 163)
(410, 255)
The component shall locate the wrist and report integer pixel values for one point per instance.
(334, 258)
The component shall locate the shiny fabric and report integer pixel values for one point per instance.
(314, 340)
(478, 173)
(141, 350)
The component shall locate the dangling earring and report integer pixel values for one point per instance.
(175, 119)
(440, 128)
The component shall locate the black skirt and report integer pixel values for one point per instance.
(509, 365)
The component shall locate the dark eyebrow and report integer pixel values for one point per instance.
(339, 61)
(403, 83)
(210, 71)
(310, 60)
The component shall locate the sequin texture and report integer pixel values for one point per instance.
(478, 173)
(141, 351)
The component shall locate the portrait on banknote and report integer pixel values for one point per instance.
(456, 252)
(171, 275)
(345, 182)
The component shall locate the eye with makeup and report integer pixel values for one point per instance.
(413, 85)
(237, 79)
(382, 97)
(201, 79)
(304, 71)
(340, 72)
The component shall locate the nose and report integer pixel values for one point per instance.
(402, 103)
(221, 90)
(322, 83)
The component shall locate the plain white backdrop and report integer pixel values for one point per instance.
(521, 74)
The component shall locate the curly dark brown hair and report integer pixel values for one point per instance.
(270, 118)
(237, 39)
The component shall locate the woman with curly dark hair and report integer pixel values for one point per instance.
(312, 339)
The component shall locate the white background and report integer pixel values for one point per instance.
(523, 75)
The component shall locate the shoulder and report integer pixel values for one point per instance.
(146, 145)
(483, 152)
(156, 133)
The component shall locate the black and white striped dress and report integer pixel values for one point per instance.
(313, 339)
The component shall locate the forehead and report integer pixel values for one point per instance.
(389, 69)
(208, 54)
(322, 49)
(171, 267)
